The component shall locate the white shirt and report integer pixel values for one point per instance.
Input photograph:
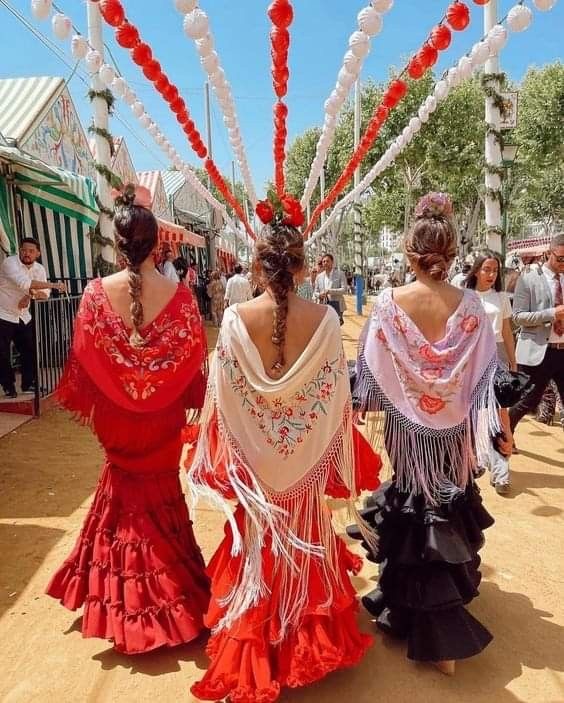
(15, 280)
(497, 307)
(238, 290)
(170, 272)
(549, 275)
(458, 280)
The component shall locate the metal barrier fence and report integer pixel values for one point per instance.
(53, 329)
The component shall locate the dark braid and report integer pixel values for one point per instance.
(279, 254)
(136, 236)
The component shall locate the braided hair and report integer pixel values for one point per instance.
(136, 236)
(278, 256)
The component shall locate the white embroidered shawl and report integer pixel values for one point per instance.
(280, 440)
(437, 398)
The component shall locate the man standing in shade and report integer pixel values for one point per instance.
(331, 286)
(238, 288)
(21, 279)
(538, 309)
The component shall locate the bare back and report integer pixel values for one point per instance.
(429, 307)
(156, 292)
(303, 320)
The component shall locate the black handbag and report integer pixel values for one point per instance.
(509, 386)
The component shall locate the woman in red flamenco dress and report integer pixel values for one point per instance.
(137, 363)
(283, 609)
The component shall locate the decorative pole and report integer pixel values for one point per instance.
(100, 116)
(356, 207)
(493, 146)
(213, 235)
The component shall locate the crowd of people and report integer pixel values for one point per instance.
(273, 427)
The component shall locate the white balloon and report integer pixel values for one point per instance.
(210, 62)
(464, 68)
(519, 18)
(544, 5)
(497, 38)
(346, 79)
(62, 25)
(196, 24)
(359, 43)
(119, 86)
(145, 120)
(79, 47)
(441, 90)
(41, 9)
(480, 53)
(351, 62)
(370, 21)
(185, 6)
(107, 74)
(93, 60)
(382, 5)
(204, 46)
(137, 108)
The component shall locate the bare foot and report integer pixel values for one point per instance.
(446, 667)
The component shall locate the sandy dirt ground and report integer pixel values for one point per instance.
(48, 471)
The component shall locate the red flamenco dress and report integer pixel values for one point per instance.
(136, 566)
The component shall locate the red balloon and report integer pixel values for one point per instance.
(458, 15)
(112, 11)
(127, 35)
(142, 54)
(152, 70)
(441, 37)
(171, 93)
(428, 55)
(415, 68)
(161, 83)
(177, 105)
(281, 13)
(280, 39)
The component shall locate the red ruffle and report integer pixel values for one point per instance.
(136, 566)
(247, 663)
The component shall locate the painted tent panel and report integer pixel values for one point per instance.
(153, 181)
(122, 164)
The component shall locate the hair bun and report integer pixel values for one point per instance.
(126, 196)
(433, 206)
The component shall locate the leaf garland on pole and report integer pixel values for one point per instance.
(491, 92)
(101, 132)
(106, 95)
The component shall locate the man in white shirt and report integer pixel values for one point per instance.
(538, 308)
(459, 279)
(331, 286)
(21, 279)
(238, 288)
(168, 267)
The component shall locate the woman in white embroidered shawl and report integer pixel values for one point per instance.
(277, 435)
(426, 368)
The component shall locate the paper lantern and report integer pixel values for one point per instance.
(129, 96)
(428, 55)
(185, 6)
(210, 62)
(281, 13)
(142, 54)
(497, 38)
(345, 78)
(204, 45)
(152, 70)
(177, 105)
(137, 108)
(480, 53)
(332, 105)
(127, 35)
(351, 62)
(453, 77)
(341, 91)
(359, 44)
(112, 11)
(119, 86)
(41, 9)
(145, 120)
(481, 2)
(431, 104)
(229, 122)
(61, 25)
(217, 77)
(458, 16)
(519, 18)
(396, 92)
(79, 47)
(415, 68)
(465, 68)
(280, 39)
(382, 113)
(382, 6)
(107, 74)
(153, 129)
(93, 61)
(441, 90)
(223, 92)
(369, 21)
(196, 24)
(544, 5)
(441, 37)
(162, 83)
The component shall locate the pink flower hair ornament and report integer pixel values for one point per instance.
(434, 205)
(131, 194)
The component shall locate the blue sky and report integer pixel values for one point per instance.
(319, 40)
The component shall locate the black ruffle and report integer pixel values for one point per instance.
(429, 570)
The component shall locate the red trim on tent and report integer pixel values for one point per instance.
(175, 234)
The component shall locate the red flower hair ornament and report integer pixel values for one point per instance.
(285, 210)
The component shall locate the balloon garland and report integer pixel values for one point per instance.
(370, 23)
(128, 36)
(490, 45)
(457, 17)
(281, 15)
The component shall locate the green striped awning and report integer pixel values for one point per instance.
(8, 240)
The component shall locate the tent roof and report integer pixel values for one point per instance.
(173, 181)
(24, 102)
